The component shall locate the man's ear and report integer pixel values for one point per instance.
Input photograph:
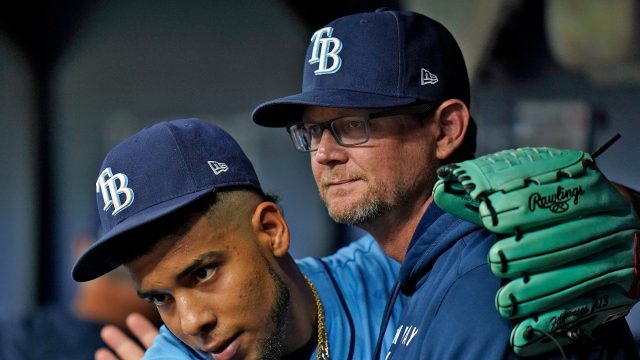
(453, 119)
(271, 228)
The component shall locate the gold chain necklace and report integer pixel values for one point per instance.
(323, 342)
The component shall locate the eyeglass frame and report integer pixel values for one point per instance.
(420, 110)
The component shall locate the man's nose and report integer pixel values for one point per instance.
(196, 318)
(329, 151)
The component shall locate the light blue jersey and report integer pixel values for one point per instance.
(168, 347)
(353, 285)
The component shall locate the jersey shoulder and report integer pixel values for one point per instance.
(363, 255)
(167, 346)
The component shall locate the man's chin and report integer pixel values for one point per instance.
(340, 210)
(357, 215)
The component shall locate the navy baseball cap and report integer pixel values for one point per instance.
(154, 172)
(380, 59)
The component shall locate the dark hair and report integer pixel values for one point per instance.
(139, 241)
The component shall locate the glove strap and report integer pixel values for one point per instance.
(530, 331)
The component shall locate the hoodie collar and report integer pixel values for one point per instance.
(435, 233)
(430, 216)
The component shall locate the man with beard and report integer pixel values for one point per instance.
(384, 103)
(182, 208)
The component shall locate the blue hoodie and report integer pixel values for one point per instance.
(449, 292)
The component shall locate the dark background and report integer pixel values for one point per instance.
(76, 77)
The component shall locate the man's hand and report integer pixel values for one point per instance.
(124, 347)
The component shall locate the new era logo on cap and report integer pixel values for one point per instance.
(218, 167)
(427, 77)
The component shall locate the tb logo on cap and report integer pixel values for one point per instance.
(325, 48)
(112, 188)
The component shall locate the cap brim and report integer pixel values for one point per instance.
(101, 257)
(288, 110)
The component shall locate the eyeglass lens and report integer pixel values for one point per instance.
(351, 130)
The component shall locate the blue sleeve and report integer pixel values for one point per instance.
(168, 347)
(353, 285)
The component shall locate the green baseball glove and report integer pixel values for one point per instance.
(566, 246)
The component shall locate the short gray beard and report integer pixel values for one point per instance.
(377, 204)
(366, 213)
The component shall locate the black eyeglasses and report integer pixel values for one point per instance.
(348, 130)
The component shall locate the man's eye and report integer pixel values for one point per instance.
(355, 124)
(314, 130)
(157, 299)
(204, 273)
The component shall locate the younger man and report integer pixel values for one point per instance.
(182, 208)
